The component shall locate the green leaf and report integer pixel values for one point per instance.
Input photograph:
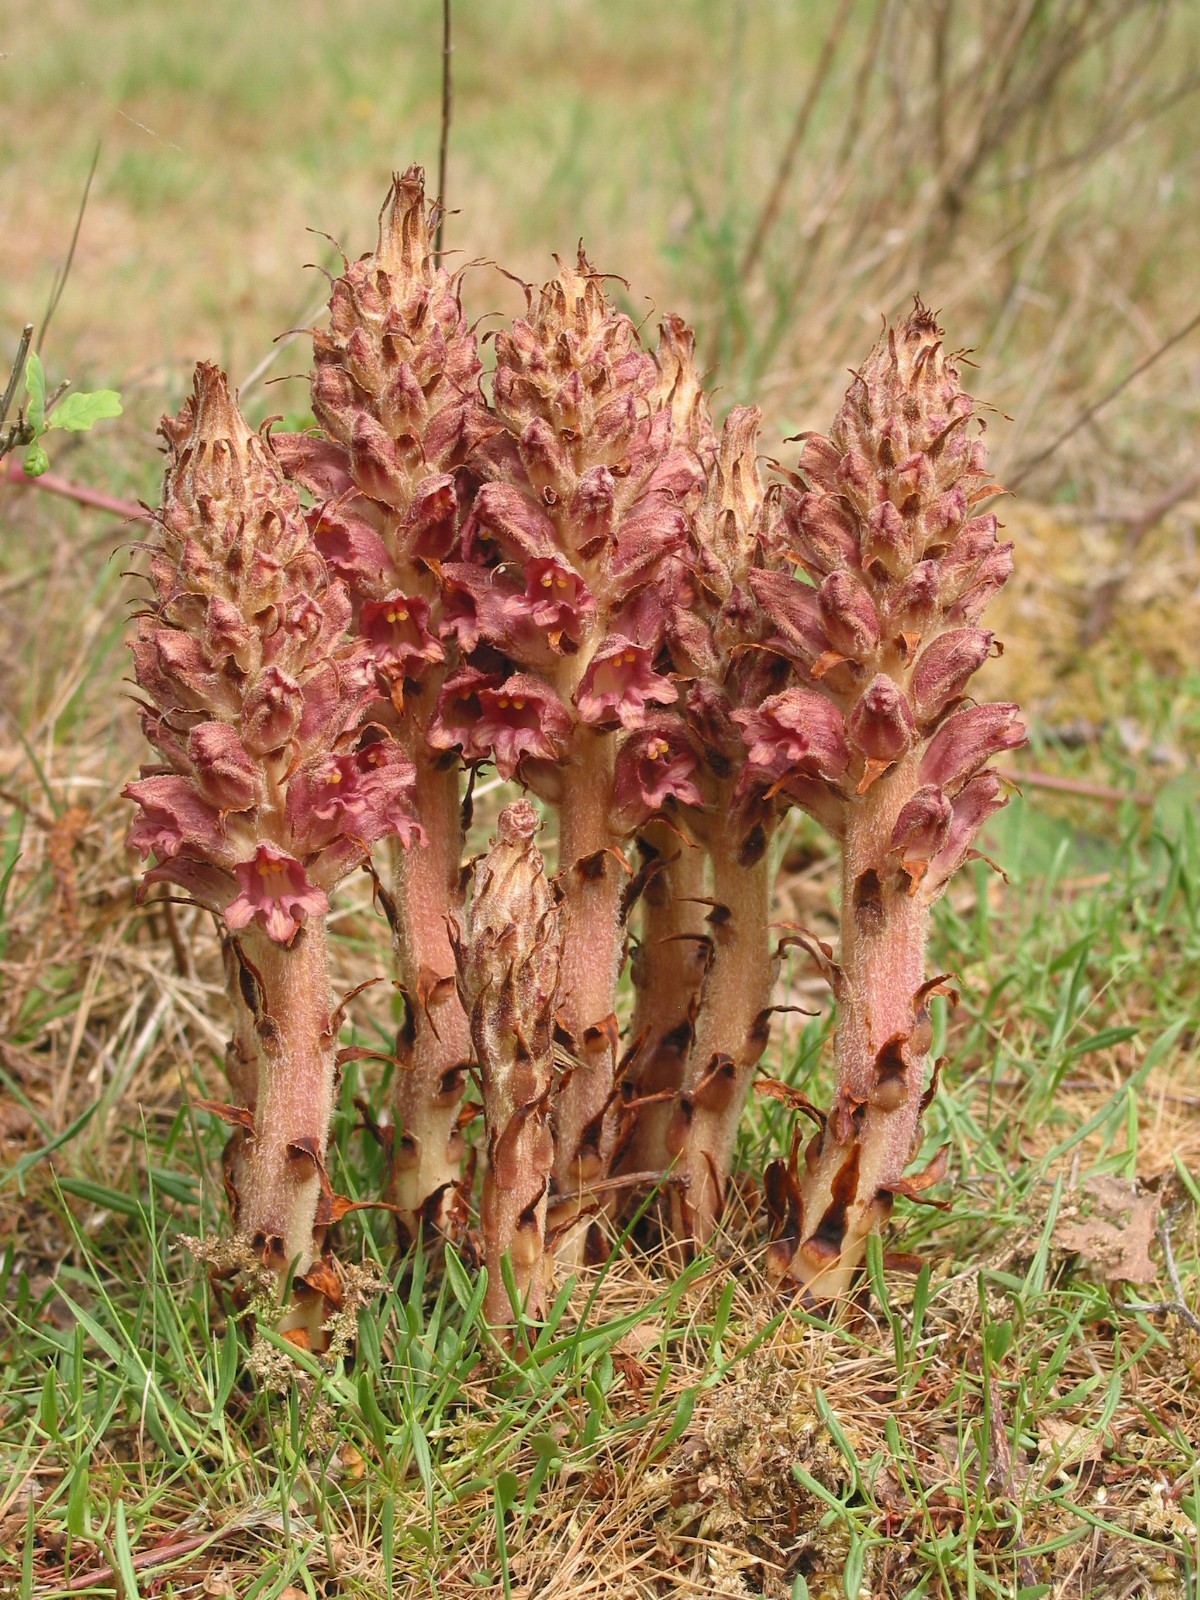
(35, 388)
(77, 412)
(35, 461)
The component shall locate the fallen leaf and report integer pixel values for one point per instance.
(1111, 1228)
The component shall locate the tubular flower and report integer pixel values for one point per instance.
(881, 518)
(236, 661)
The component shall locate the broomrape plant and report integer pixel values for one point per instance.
(586, 586)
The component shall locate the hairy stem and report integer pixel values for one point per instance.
(668, 970)
(434, 1048)
(880, 1048)
(591, 879)
(731, 1032)
(281, 1167)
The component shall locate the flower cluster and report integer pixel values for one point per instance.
(586, 586)
(272, 783)
(270, 786)
(876, 737)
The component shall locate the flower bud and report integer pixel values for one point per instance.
(944, 668)
(968, 739)
(848, 615)
(271, 712)
(881, 724)
(225, 775)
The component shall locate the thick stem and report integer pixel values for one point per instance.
(592, 883)
(281, 1168)
(882, 1040)
(512, 1209)
(668, 970)
(731, 1032)
(434, 1048)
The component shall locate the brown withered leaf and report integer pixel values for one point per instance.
(788, 1095)
(235, 1116)
(1110, 1225)
(913, 1187)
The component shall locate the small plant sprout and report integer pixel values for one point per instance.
(508, 948)
(74, 412)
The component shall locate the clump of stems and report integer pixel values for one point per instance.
(585, 585)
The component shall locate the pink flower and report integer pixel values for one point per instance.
(359, 797)
(619, 683)
(275, 892)
(458, 708)
(349, 545)
(482, 715)
(969, 738)
(556, 601)
(520, 717)
(654, 765)
(795, 732)
(397, 633)
(172, 817)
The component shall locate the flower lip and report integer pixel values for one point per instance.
(654, 765)
(619, 683)
(396, 630)
(274, 891)
(519, 717)
(795, 732)
(556, 600)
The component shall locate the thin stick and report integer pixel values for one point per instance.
(1085, 416)
(51, 483)
(60, 282)
(18, 368)
(769, 214)
(447, 114)
(1032, 779)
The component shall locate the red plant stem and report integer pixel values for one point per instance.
(731, 1033)
(434, 1050)
(668, 970)
(880, 1047)
(53, 484)
(591, 879)
(282, 1169)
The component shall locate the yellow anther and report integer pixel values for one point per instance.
(548, 579)
(629, 657)
(502, 702)
(518, 705)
